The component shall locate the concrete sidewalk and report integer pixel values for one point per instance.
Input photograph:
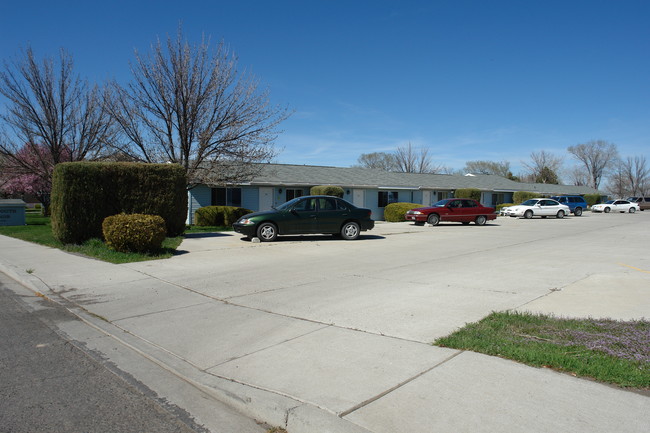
(318, 335)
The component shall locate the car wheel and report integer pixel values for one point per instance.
(606, 210)
(560, 214)
(433, 219)
(632, 210)
(350, 231)
(267, 232)
(528, 214)
(577, 211)
(480, 220)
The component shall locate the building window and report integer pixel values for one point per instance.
(226, 197)
(498, 198)
(293, 193)
(386, 198)
(444, 194)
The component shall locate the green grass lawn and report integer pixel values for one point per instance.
(610, 351)
(39, 230)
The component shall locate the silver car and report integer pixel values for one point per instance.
(541, 207)
(616, 206)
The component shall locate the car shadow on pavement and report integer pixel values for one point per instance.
(206, 235)
(315, 238)
(454, 224)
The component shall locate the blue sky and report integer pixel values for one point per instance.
(489, 80)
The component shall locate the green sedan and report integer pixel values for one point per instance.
(307, 215)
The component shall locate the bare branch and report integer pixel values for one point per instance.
(380, 160)
(51, 115)
(598, 157)
(408, 160)
(488, 167)
(544, 167)
(188, 104)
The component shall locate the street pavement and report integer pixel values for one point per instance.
(322, 335)
(51, 385)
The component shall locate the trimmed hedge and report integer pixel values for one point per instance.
(134, 233)
(472, 193)
(219, 215)
(85, 193)
(502, 205)
(521, 196)
(335, 191)
(395, 212)
(592, 199)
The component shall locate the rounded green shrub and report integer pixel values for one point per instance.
(395, 212)
(219, 215)
(521, 196)
(502, 205)
(473, 193)
(593, 199)
(134, 232)
(333, 190)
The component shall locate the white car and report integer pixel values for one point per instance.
(616, 206)
(537, 207)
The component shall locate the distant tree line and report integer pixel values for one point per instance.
(596, 160)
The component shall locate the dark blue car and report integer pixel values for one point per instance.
(576, 203)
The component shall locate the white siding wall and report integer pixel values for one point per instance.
(197, 197)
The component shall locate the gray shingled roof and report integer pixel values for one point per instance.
(310, 175)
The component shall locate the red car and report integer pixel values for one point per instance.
(461, 210)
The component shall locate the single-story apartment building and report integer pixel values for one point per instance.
(364, 187)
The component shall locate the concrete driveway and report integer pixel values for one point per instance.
(419, 283)
(330, 335)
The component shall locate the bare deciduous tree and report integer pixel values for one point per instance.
(544, 167)
(188, 104)
(617, 183)
(597, 156)
(52, 114)
(637, 173)
(405, 159)
(578, 176)
(488, 167)
(380, 160)
(629, 177)
(410, 160)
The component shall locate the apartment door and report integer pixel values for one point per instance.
(357, 198)
(266, 198)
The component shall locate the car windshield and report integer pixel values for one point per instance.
(441, 203)
(530, 202)
(289, 204)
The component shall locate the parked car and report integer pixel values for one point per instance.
(616, 206)
(307, 215)
(643, 202)
(461, 210)
(537, 207)
(576, 203)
